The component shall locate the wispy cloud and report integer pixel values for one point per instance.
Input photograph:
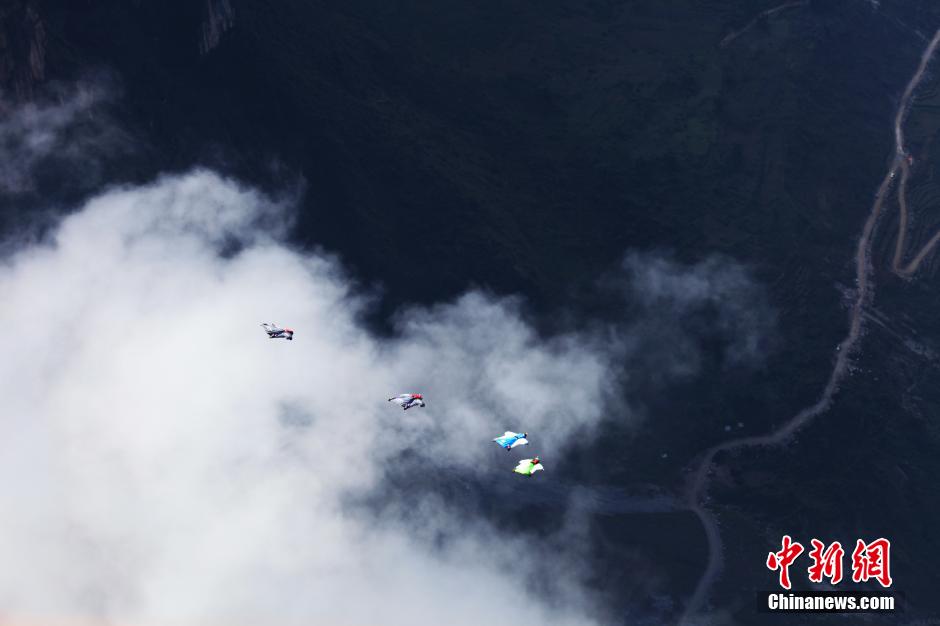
(678, 309)
(65, 132)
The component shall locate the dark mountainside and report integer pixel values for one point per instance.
(526, 148)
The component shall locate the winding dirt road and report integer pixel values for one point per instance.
(907, 271)
(735, 34)
(698, 484)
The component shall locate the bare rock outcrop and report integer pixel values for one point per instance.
(219, 18)
(22, 49)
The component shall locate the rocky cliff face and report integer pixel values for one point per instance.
(219, 17)
(22, 49)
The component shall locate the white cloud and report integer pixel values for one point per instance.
(162, 461)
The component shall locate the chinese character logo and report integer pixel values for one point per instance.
(869, 561)
(872, 560)
(826, 563)
(782, 560)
